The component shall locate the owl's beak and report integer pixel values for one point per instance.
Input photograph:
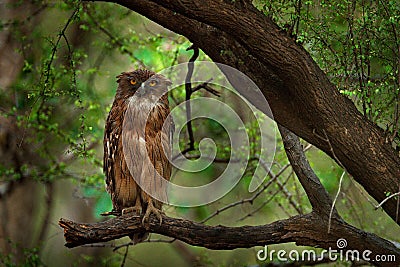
(141, 91)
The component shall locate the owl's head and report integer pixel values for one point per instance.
(156, 83)
(129, 82)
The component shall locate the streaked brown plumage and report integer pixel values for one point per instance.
(140, 93)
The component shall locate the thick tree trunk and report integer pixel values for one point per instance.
(300, 95)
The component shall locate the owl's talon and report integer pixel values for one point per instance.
(135, 209)
(151, 209)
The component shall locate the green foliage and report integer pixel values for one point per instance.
(357, 44)
(31, 258)
(59, 99)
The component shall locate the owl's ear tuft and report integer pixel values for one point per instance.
(119, 77)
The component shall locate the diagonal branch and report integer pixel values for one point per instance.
(316, 193)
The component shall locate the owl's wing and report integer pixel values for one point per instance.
(155, 156)
(170, 131)
(161, 145)
(111, 142)
(171, 134)
(109, 150)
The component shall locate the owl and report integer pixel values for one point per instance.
(137, 145)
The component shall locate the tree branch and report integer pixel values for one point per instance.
(188, 94)
(302, 229)
(316, 193)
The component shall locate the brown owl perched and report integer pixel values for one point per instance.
(137, 145)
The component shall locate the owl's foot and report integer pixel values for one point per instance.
(137, 210)
(151, 209)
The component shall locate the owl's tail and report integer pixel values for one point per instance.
(141, 236)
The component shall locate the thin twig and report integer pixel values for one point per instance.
(364, 194)
(289, 196)
(99, 245)
(160, 240)
(49, 199)
(386, 199)
(340, 181)
(326, 139)
(265, 202)
(206, 87)
(334, 201)
(122, 246)
(114, 39)
(397, 105)
(188, 92)
(248, 200)
(398, 207)
(125, 255)
(28, 18)
(281, 186)
(47, 73)
(215, 160)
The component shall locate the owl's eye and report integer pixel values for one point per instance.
(133, 82)
(152, 83)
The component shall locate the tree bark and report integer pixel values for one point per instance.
(304, 230)
(300, 95)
